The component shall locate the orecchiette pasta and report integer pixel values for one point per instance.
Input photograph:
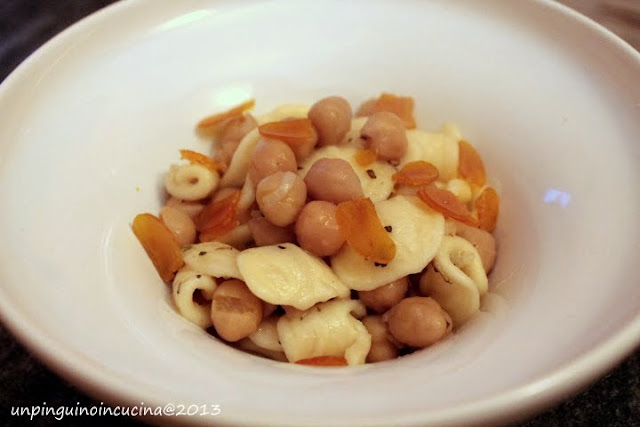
(328, 329)
(186, 282)
(416, 231)
(439, 149)
(213, 258)
(191, 182)
(284, 274)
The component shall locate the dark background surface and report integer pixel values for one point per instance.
(26, 24)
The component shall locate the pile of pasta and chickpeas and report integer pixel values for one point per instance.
(317, 236)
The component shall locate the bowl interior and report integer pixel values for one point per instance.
(93, 120)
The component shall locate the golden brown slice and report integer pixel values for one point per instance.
(487, 206)
(363, 231)
(160, 244)
(470, 165)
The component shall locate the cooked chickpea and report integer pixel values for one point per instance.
(383, 298)
(271, 156)
(331, 117)
(265, 233)
(232, 133)
(418, 322)
(483, 241)
(317, 229)
(235, 312)
(180, 224)
(385, 134)
(381, 346)
(333, 180)
(281, 196)
(192, 209)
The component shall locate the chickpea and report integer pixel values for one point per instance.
(386, 296)
(483, 241)
(265, 233)
(418, 322)
(235, 312)
(385, 134)
(333, 180)
(317, 229)
(180, 224)
(232, 133)
(281, 196)
(271, 156)
(381, 346)
(331, 117)
(191, 208)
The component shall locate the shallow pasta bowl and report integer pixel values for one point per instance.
(93, 119)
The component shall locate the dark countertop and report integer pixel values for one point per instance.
(26, 24)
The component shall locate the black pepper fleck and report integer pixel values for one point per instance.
(202, 253)
(281, 247)
(371, 174)
(389, 228)
(198, 276)
(379, 264)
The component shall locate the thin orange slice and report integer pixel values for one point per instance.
(324, 361)
(470, 165)
(363, 231)
(401, 106)
(201, 159)
(445, 202)
(365, 157)
(416, 173)
(290, 131)
(487, 206)
(218, 217)
(160, 244)
(218, 118)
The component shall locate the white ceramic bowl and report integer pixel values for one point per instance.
(90, 122)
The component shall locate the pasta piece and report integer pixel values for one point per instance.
(246, 344)
(213, 258)
(267, 335)
(285, 111)
(462, 279)
(191, 182)
(284, 274)
(239, 165)
(375, 178)
(439, 149)
(327, 329)
(416, 231)
(185, 284)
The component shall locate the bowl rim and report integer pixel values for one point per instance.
(516, 404)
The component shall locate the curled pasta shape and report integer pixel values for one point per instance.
(213, 258)
(186, 282)
(191, 182)
(327, 329)
(460, 279)
(267, 335)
